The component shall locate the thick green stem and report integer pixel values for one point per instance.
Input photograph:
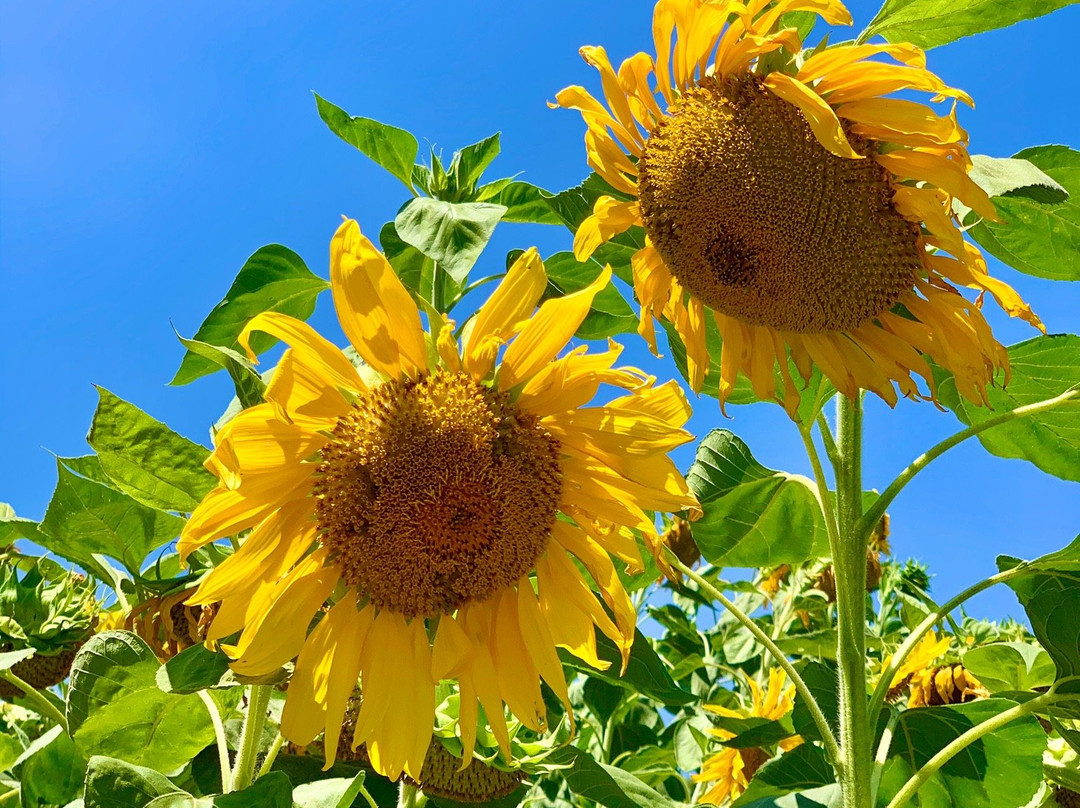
(250, 735)
(827, 738)
(219, 736)
(931, 767)
(849, 566)
(407, 796)
(37, 700)
(271, 756)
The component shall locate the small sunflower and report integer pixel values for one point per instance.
(785, 192)
(433, 507)
(730, 770)
(921, 658)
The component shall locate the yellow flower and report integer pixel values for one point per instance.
(809, 212)
(730, 770)
(433, 508)
(928, 649)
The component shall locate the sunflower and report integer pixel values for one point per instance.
(921, 658)
(785, 192)
(730, 770)
(428, 510)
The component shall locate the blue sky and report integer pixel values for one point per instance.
(147, 149)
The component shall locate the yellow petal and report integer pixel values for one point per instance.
(547, 333)
(452, 652)
(609, 218)
(376, 311)
(667, 402)
(318, 352)
(512, 301)
(538, 641)
(519, 681)
(301, 388)
(945, 174)
(821, 117)
(612, 431)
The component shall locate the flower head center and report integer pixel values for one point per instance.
(762, 223)
(436, 492)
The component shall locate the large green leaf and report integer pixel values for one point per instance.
(929, 23)
(451, 234)
(610, 314)
(754, 516)
(415, 269)
(85, 518)
(1005, 176)
(195, 668)
(1040, 232)
(13, 528)
(471, 161)
(336, 792)
(645, 674)
(274, 278)
(112, 783)
(606, 785)
(1010, 666)
(53, 775)
(115, 707)
(801, 769)
(392, 148)
(526, 203)
(146, 459)
(1042, 368)
(821, 678)
(1001, 769)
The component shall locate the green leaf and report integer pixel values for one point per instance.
(10, 750)
(606, 785)
(821, 679)
(1051, 601)
(470, 162)
(274, 278)
(754, 731)
(85, 518)
(146, 459)
(1010, 666)
(610, 314)
(451, 234)
(246, 380)
(273, 790)
(1042, 368)
(646, 673)
(8, 659)
(1002, 768)
(112, 783)
(337, 792)
(392, 148)
(193, 669)
(115, 707)
(526, 203)
(754, 516)
(12, 528)
(822, 797)
(53, 775)
(1003, 176)
(803, 768)
(1040, 231)
(820, 644)
(929, 23)
(415, 269)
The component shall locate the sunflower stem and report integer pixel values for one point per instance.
(824, 730)
(271, 756)
(219, 737)
(37, 701)
(407, 796)
(250, 735)
(849, 565)
(874, 512)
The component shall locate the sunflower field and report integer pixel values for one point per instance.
(454, 561)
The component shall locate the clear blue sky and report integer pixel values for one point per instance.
(146, 149)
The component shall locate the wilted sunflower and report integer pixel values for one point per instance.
(921, 658)
(788, 195)
(730, 770)
(415, 503)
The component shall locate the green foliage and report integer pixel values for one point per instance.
(392, 148)
(1010, 666)
(1040, 230)
(113, 783)
(146, 459)
(802, 769)
(610, 314)
(606, 785)
(1042, 368)
(115, 707)
(754, 516)
(42, 614)
(929, 23)
(1003, 768)
(274, 278)
(452, 234)
(645, 674)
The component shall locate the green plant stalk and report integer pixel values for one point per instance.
(250, 735)
(43, 706)
(831, 748)
(931, 767)
(849, 566)
(271, 756)
(874, 513)
(882, 756)
(407, 796)
(219, 737)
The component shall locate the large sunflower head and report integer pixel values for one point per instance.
(785, 194)
(730, 770)
(428, 510)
